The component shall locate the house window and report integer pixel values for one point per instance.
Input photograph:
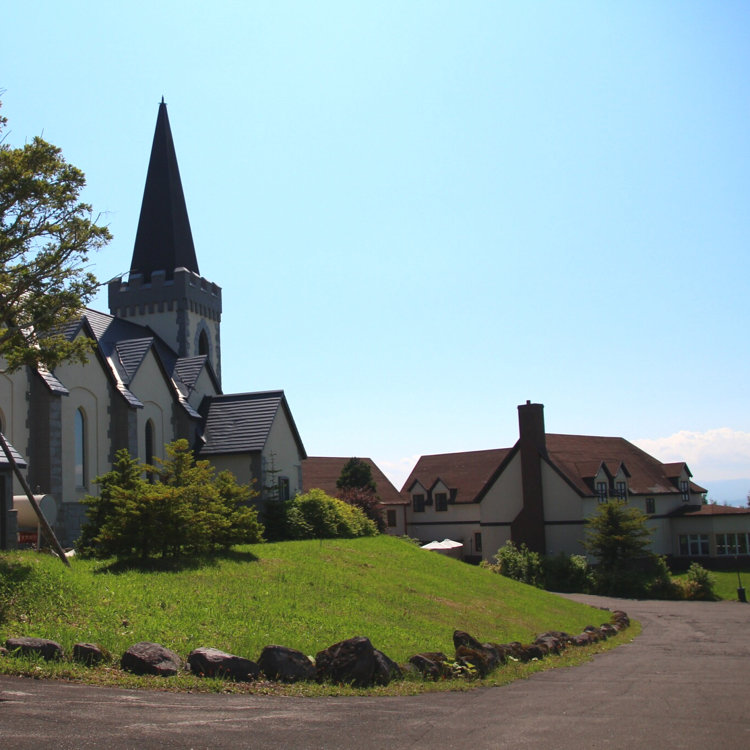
(732, 544)
(477, 541)
(149, 442)
(390, 518)
(621, 490)
(283, 484)
(417, 502)
(650, 505)
(601, 491)
(694, 545)
(685, 490)
(80, 448)
(441, 501)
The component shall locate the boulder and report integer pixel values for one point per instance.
(385, 669)
(461, 638)
(477, 658)
(351, 662)
(607, 630)
(433, 664)
(210, 662)
(285, 664)
(583, 639)
(151, 658)
(3, 651)
(87, 653)
(550, 643)
(48, 650)
(620, 617)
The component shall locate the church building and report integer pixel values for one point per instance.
(154, 376)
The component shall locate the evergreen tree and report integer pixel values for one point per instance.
(356, 473)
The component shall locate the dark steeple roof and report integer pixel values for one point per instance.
(164, 240)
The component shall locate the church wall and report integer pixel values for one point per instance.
(204, 386)
(151, 389)
(282, 447)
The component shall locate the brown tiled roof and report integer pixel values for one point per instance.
(322, 472)
(466, 472)
(579, 456)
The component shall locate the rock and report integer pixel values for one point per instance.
(501, 649)
(210, 662)
(584, 639)
(477, 658)
(351, 662)
(3, 651)
(593, 633)
(151, 658)
(48, 650)
(607, 630)
(461, 638)
(433, 664)
(385, 669)
(532, 651)
(87, 653)
(285, 664)
(618, 616)
(551, 644)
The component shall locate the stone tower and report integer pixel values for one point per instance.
(164, 289)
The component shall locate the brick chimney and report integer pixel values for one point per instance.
(528, 525)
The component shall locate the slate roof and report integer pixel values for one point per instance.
(164, 240)
(468, 472)
(241, 422)
(322, 472)
(16, 455)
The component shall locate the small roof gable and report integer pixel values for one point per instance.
(163, 241)
(466, 472)
(323, 472)
(131, 353)
(241, 422)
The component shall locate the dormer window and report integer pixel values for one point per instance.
(601, 491)
(621, 490)
(441, 501)
(417, 503)
(685, 491)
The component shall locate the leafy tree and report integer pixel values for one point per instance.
(186, 508)
(46, 236)
(519, 563)
(357, 487)
(356, 473)
(618, 537)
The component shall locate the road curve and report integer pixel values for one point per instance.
(684, 683)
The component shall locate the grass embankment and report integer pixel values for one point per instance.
(306, 595)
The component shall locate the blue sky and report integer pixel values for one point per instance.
(424, 213)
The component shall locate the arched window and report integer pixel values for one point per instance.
(149, 442)
(203, 343)
(80, 448)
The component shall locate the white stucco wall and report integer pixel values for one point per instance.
(501, 504)
(282, 448)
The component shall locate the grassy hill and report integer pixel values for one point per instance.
(307, 595)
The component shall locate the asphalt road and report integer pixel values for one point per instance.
(684, 683)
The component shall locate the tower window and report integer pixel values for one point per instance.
(80, 448)
(203, 343)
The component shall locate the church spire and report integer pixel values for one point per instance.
(163, 241)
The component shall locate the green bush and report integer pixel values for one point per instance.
(519, 563)
(316, 515)
(186, 508)
(699, 583)
(566, 573)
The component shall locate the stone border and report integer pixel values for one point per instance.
(352, 662)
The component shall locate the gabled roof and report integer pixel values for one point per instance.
(574, 456)
(163, 241)
(467, 472)
(322, 472)
(241, 422)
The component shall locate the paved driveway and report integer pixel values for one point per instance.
(684, 683)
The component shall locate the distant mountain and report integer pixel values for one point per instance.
(727, 491)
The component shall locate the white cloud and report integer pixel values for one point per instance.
(721, 453)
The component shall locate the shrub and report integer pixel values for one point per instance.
(700, 583)
(188, 509)
(566, 573)
(519, 563)
(316, 515)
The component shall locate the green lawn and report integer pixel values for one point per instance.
(306, 595)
